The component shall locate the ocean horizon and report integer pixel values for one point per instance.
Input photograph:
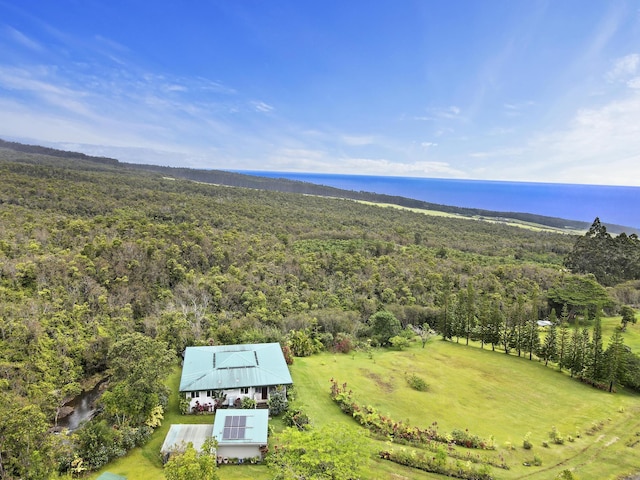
(612, 204)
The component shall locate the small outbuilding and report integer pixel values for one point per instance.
(241, 434)
(180, 435)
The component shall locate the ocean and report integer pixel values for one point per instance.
(612, 204)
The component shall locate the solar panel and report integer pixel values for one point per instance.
(234, 427)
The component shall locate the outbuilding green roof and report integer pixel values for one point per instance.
(224, 367)
(111, 476)
(241, 427)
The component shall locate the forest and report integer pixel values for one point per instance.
(109, 272)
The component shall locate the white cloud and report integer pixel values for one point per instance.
(623, 68)
(449, 112)
(390, 168)
(634, 83)
(357, 140)
(23, 40)
(428, 144)
(501, 152)
(516, 109)
(176, 88)
(439, 113)
(318, 160)
(262, 106)
(601, 145)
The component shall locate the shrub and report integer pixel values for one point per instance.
(466, 439)
(248, 403)
(277, 402)
(184, 406)
(399, 342)
(555, 436)
(400, 432)
(343, 343)
(156, 417)
(566, 475)
(417, 383)
(437, 464)
(288, 354)
(296, 418)
(526, 443)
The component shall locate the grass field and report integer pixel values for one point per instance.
(504, 221)
(490, 393)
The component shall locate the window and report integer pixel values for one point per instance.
(195, 394)
(209, 393)
(244, 390)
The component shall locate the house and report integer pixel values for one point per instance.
(230, 373)
(241, 434)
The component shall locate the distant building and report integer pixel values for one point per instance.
(232, 372)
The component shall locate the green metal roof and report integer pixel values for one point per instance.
(233, 366)
(254, 431)
(110, 476)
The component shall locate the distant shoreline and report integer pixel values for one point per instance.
(612, 204)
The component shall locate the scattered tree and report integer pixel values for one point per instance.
(190, 464)
(328, 452)
(628, 316)
(384, 325)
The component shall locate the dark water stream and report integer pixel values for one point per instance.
(84, 408)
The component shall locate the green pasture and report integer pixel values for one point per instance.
(505, 221)
(631, 335)
(489, 393)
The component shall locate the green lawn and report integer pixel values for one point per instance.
(490, 393)
(631, 335)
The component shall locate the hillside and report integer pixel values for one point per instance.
(220, 177)
(108, 270)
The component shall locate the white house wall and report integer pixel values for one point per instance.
(238, 451)
(204, 399)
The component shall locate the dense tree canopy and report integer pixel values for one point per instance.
(579, 294)
(610, 259)
(109, 272)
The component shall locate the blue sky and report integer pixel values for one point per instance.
(524, 90)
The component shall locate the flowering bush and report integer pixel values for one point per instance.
(379, 424)
(437, 464)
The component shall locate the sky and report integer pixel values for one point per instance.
(516, 90)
